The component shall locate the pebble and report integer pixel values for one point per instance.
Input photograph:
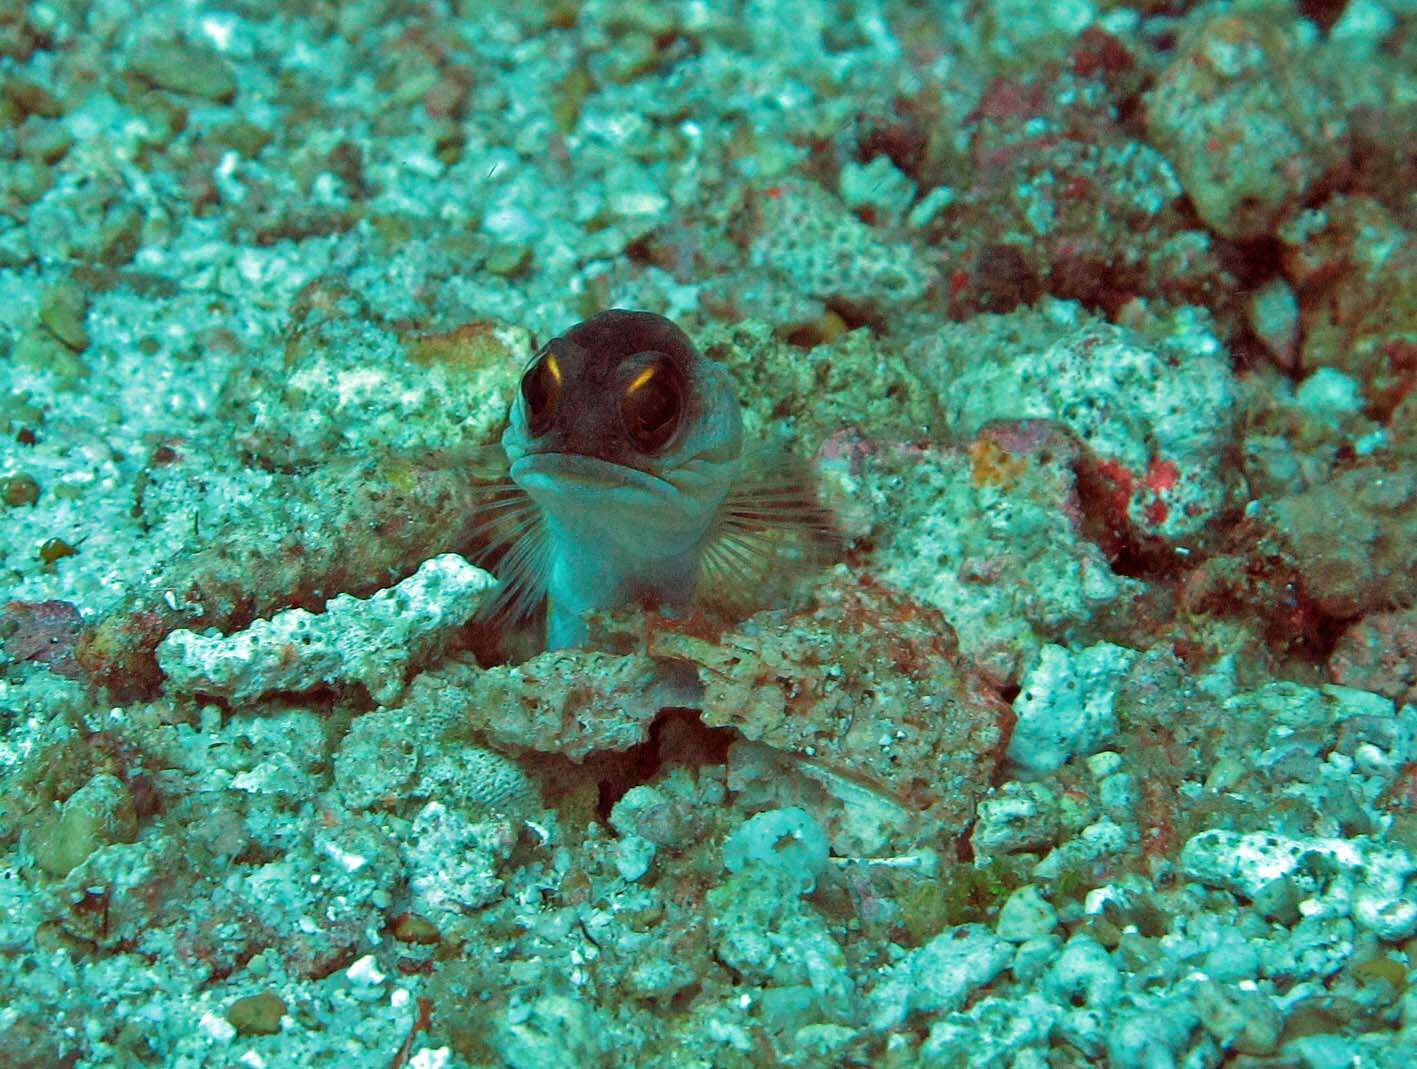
(1025, 915)
(1033, 958)
(62, 309)
(185, 68)
(19, 490)
(1231, 960)
(48, 142)
(789, 839)
(41, 350)
(256, 1015)
(1066, 704)
(30, 98)
(1084, 973)
(1274, 317)
(1022, 816)
(634, 854)
(55, 549)
(30, 179)
(878, 186)
(97, 814)
(939, 976)
(508, 260)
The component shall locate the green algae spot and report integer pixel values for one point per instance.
(256, 1015)
(963, 894)
(509, 261)
(185, 67)
(98, 814)
(39, 349)
(466, 349)
(62, 309)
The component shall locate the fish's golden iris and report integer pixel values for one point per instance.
(541, 390)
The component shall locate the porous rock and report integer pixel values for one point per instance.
(1368, 877)
(1243, 114)
(869, 683)
(1156, 416)
(352, 640)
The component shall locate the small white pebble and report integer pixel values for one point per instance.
(1341, 761)
(1372, 761)
(218, 31)
(636, 203)
(1096, 900)
(345, 860)
(365, 972)
(930, 205)
(219, 1028)
(1103, 763)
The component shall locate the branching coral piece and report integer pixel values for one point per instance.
(371, 641)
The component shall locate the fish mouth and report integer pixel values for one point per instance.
(578, 474)
(600, 502)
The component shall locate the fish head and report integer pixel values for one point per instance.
(623, 432)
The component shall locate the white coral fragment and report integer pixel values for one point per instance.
(370, 641)
(1066, 705)
(1366, 878)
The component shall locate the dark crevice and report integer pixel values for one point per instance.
(856, 314)
(1253, 262)
(964, 848)
(1323, 13)
(1136, 561)
(677, 736)
(1300, 628)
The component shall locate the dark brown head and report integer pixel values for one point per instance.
(626, 388)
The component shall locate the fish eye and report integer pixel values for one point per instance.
(652, 406)
(541, 390)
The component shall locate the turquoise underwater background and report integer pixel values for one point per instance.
(1085, 735)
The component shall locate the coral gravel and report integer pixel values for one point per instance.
(1087, 734)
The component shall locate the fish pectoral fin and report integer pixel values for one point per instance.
(769, 532)
(564, 629)
(508, 536)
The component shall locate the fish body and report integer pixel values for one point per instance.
(628, 446)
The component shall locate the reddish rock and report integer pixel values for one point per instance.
(868, 685)
(1057, 199)
(43, 631)
(1379, 653)
(1243, 114)
(1353, 268)
(1352, 539)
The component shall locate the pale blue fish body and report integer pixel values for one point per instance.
(610, 544)
(628, 442)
